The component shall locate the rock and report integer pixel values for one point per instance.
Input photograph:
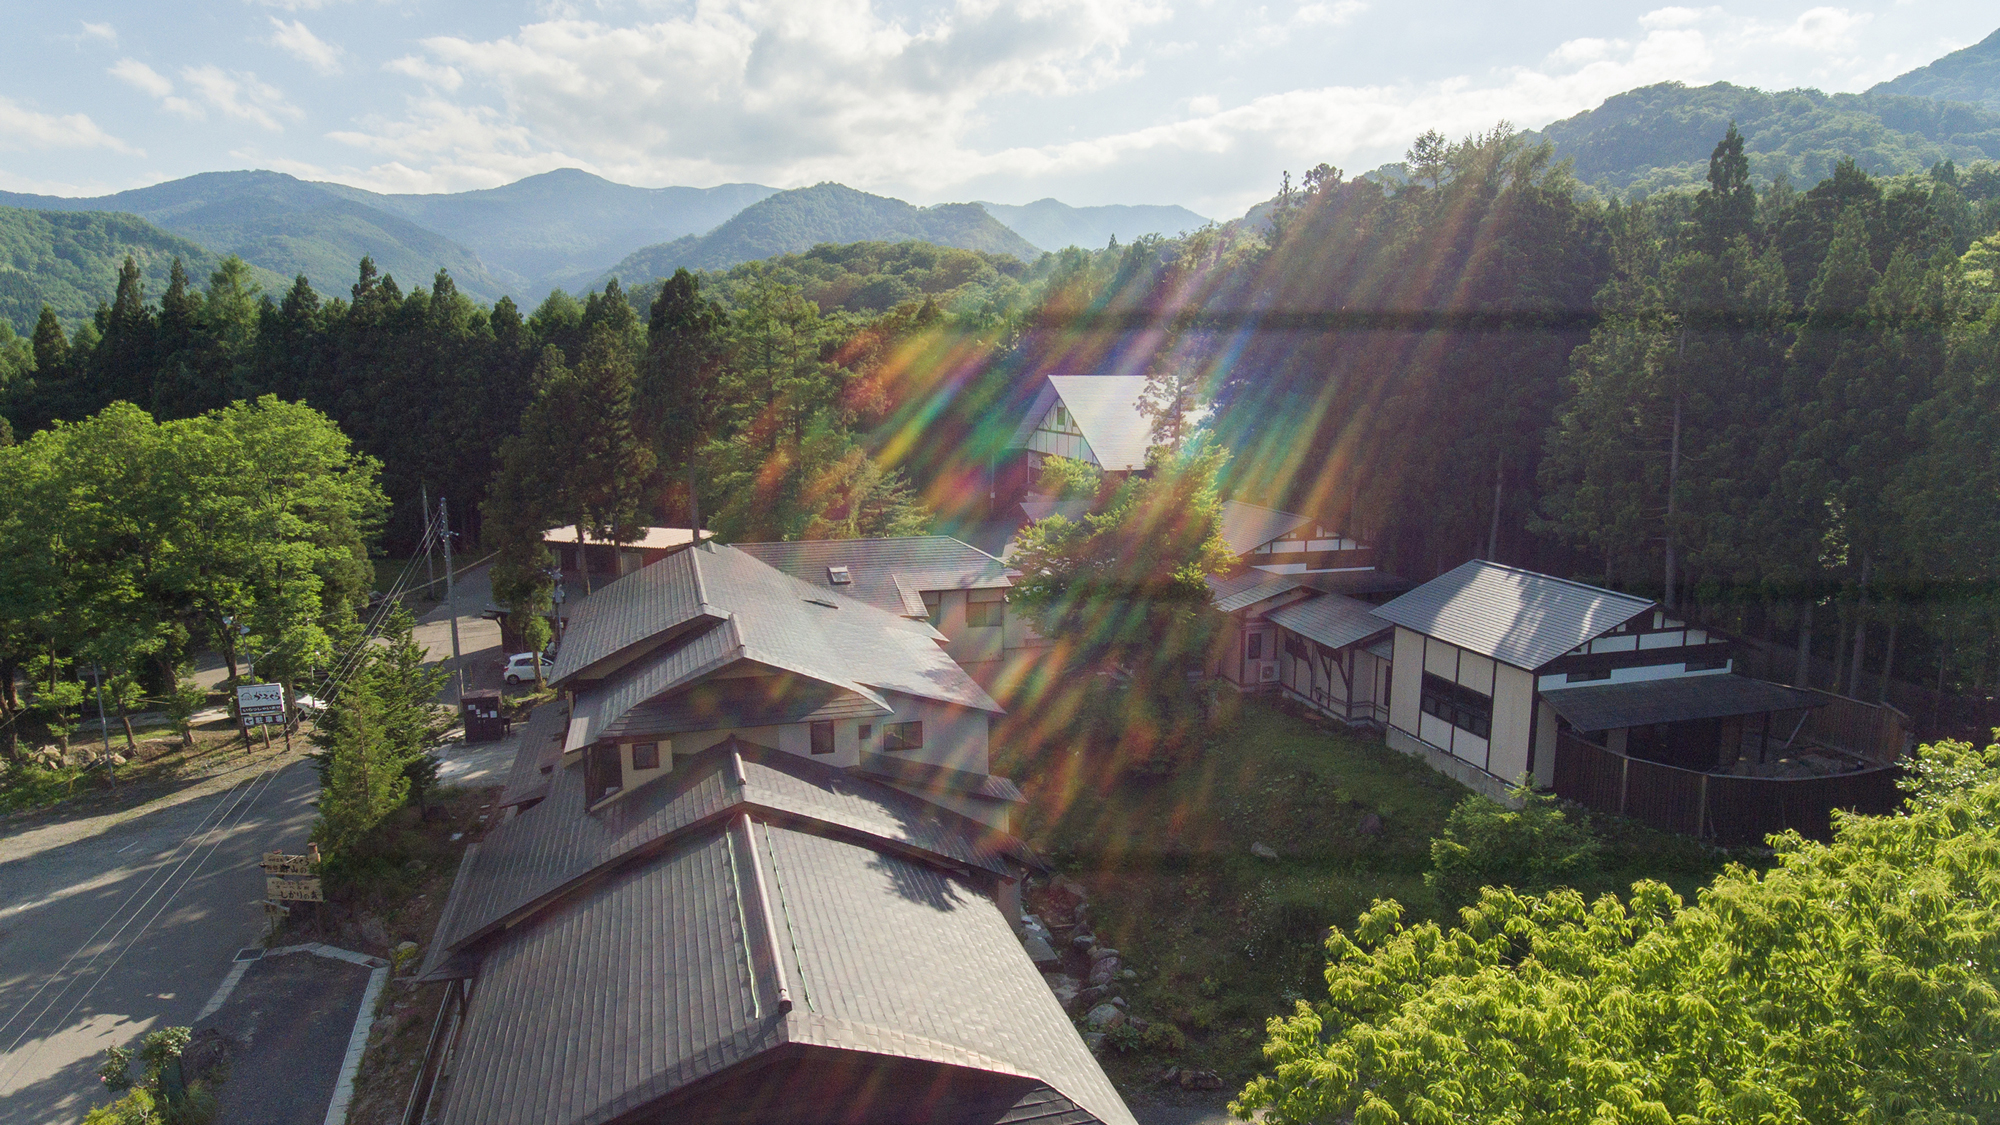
(206, 1055)
(1104, 971)
(1065, 989)
(1128, 974)
(1371, 825)
(1104, 1017)
(1039, 950)
(1169, 1077)
(1032, 926)
(1263, 851)
(1083, 942)
(1070, 889)
(1192, 1079)
(1137, 1023)
(373, 931)
(1117, 1002)
(1100, 952)
(1095, 1041)
(1088, 998)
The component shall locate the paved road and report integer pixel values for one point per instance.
(106, 937)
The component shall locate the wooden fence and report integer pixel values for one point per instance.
(1873, 731)
(1723, 808)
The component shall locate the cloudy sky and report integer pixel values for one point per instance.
(1195, 102)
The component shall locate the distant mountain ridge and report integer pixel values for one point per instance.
(69, 260)
(558, 229)
(1053, 225)
(1969, 75)
(795, 221)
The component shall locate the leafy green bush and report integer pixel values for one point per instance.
(1534, 848)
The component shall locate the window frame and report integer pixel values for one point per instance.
(974, 611)
(1465, 708)
(821, 734)
(652, 748)
(896, 737)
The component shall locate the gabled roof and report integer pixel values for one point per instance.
(722, 607)
(884, 572)
(529, 861)
(1241, 591)
(1513, 615)
(1246, 527)
(1333, 620)
(650, 538)
(1595, 707)
(541, 748)
(1105, 408)
(777, 912)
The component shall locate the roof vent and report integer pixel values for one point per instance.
(838, 576)
(821, 601)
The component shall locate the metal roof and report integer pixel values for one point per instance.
(541, 748)
(1106, 409)
(647, 945)
(1246, 527)
(1038, 409)
(1244, 590)
(669, 972)
(1040, 509)
(928, 777)
(1334, 620)
(650, 538)
(730, 607)
(884, 571)
(739, 702)
(1638, 703)
(1513, 615)
(529, 860)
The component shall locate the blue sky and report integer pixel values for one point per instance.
(1090, 101)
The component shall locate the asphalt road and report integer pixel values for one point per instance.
(108, 936)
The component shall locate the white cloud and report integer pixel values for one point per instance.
(235, 94)
(298, 40)
(24, 128)
(102, 31)
(142, 77)
(792, 91)
(1825, 29)
(1666, 18)
(1328, 15)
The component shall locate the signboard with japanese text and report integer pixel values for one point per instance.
(261, 703)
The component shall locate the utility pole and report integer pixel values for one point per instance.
(430, 560)
(103, 725)
(451, 597)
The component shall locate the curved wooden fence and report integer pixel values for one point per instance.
(1724, 808)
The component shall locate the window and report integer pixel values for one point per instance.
(934, 604)
(839, 576)
(1253, 646)
(984, 615)
(1586, 677)
(1062, 417)
(822, 738)
(645, 755)
(1458, 705)
(867, 732)
(902, 736)
(1295, 647)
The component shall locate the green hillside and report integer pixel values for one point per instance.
(289, 226)
(1970, 75)
(1660, 136)
(560, 229)
(792, 222)
(871, 277)
(1053, 225)
(69, 260)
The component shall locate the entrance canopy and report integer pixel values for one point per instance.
(1639, 703)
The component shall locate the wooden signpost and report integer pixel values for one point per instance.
(288, 879)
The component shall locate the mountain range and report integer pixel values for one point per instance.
(572, 230)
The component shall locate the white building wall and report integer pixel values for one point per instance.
(1513, 715)
(1405, 698)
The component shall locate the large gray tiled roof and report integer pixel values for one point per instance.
(882, 569)
(731, 607)
(1513, 615)
(1333, 620)
(541, 747)
(752, 904)
(528, 860)
(1246, 526)
(1240, 591)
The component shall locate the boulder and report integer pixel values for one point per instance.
(1192, 1079)
(1371, 825)
(1104, 1017)
(1039, 951)
(1089, 997)
(1032, 926)
(1084, 942)
(1262, 850)
(1105, 971)
(373, 930)
(1065, 988)
(1095, 1041)
(1128, 974)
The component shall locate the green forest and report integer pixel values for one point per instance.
(1770, 405)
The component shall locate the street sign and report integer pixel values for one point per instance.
(261, 703)
(278, 863)
(293, 888)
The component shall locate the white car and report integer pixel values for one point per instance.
(521, 666)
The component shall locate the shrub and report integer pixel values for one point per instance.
(1534, 848)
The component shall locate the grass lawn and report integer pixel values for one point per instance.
(156, 763)
(1222, 939)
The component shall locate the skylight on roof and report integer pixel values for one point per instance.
(839, 576)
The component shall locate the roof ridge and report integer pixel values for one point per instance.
(1557, 578)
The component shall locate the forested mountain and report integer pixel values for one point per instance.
(285, 225)
(874, 277)
(69, 261)
(1053, 225)
(1969, 75)
(791, 222)
(561, 228)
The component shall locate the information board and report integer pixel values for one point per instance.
(261, 703)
